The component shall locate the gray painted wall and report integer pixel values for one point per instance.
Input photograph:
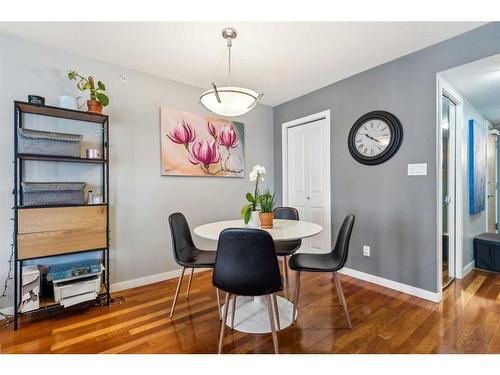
(396, 214)
(140, 198)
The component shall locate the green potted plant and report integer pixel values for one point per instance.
(249, 211)
(266, 215)
(97, 97)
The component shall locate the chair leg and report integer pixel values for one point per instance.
(177, 291)
(336, 287)
(296, 296)
(189, 283)
(218, 302)
(223, 324)
(276, 312)
(285, 277)
(273, 327)
(233, 311)
(344, 302)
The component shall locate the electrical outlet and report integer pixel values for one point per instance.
(366, 251)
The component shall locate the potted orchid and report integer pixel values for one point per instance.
(249, 211)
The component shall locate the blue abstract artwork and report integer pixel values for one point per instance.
(477, 167)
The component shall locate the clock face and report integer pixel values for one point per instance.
(372, 138)
(375, 137)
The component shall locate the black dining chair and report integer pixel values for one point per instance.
(187, 255)
(329, 262)
(286, 248)
(246, 265)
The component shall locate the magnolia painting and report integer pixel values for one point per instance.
(196, 145)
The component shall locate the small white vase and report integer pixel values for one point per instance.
(68, 102)
(254, 220)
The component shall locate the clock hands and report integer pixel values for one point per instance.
(373, 139)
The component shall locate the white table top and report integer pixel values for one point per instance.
(282, 230)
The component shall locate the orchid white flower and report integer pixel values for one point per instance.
(253, 176)
(257, 172)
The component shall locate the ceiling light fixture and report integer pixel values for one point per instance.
(229, 100)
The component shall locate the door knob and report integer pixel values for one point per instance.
(308, 197)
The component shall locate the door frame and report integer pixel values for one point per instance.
(444, 88)
(326, 171)
(487, 206)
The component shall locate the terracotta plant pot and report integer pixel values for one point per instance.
(266, 220)
(94, 106)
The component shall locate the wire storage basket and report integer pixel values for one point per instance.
(53, 193)
(36, 142)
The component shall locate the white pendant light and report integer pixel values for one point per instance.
(229, 100)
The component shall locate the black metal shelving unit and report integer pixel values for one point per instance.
(61, 159)
(20, 109)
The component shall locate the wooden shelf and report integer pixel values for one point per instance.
(69, 253)
(61, 205)
(70, 114)
(64, 159)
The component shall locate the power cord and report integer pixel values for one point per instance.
(112, 300)
(7, 317)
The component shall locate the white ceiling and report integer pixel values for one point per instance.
(479, 83)
(284, 60)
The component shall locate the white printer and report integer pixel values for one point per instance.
(76, 282)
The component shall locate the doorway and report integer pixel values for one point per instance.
(306, 175)
(448, 182)
(492, 162)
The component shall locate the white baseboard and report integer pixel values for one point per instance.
(408, 289)
(467, 269)
(151, 279)
(134, 283)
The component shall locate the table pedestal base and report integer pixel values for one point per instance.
(252, 315)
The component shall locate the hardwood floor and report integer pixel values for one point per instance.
(384, 321)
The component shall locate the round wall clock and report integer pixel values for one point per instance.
(375, 137)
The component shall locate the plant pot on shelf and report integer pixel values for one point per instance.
(94, 106)
(266, 220)
(254, 219)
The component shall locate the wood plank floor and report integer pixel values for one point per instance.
(384, 321)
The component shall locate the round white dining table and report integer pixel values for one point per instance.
(251, 313)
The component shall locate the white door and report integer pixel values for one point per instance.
(448, 156)
(308, 178)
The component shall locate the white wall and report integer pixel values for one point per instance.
(475, 224)
(141, 199)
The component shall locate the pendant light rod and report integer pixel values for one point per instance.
(229, 65)
(229, 34)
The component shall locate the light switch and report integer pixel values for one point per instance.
(419, 169)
